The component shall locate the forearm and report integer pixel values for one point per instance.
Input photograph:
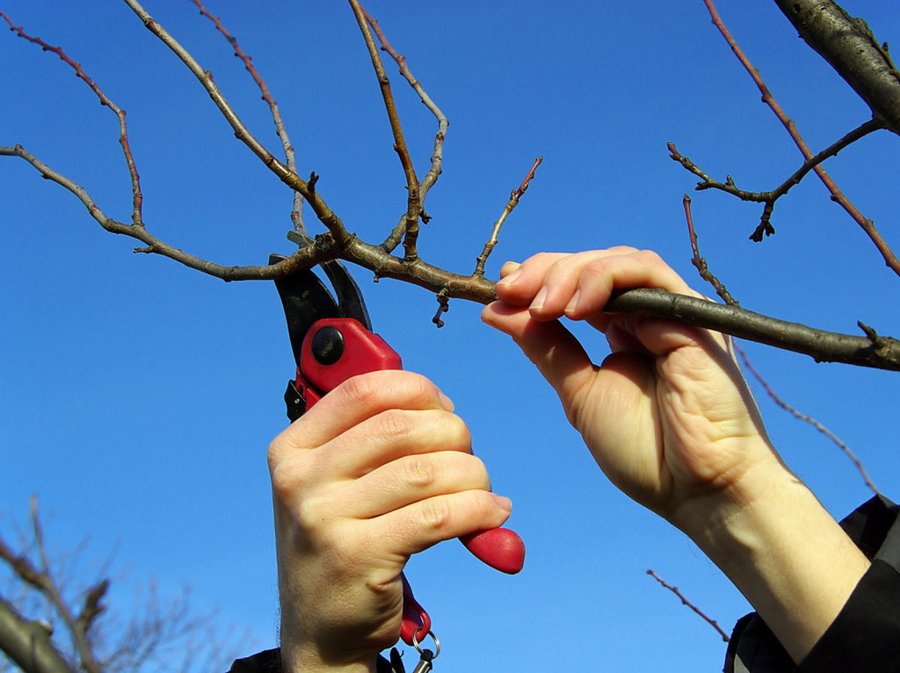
(784, 552)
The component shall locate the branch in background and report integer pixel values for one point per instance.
(700, 262)
(87, 639)
(808, 419)
(867, 225)
(514, 197)
(28, 643)
(685, 601)
(765, 227)
(852, 50)
(280, 129)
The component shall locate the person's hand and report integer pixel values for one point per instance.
(667, 416)
(669, 419)
(379, 469)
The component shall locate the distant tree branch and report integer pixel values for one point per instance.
(806, 418)
(28, 643)
(675, 590)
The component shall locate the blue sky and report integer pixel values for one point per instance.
(139, 396)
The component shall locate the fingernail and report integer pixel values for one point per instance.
(573, 304)
(446, 402)
(510, 279)
(538, 302)
(503, 502)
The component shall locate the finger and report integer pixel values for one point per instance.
(551, 347)
(521, 286)
(603, 275)
(356, 400)
(389, 436)
(409, 480)
(423, 524)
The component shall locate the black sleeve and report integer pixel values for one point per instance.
(865, 636)
(269, 661)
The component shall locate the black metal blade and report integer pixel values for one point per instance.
(349, 296)
(306, 300)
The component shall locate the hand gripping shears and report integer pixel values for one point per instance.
(332, 340)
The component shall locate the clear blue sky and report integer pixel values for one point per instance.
(138, 396)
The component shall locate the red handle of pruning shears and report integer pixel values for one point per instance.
(336, 349)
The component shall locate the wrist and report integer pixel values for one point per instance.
(783, 551)
(301, 658)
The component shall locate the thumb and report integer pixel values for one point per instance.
(551, 347)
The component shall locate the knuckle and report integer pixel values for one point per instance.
(458, 435)
(288, 478)
(436, 515)
(649, 258)
(361, 390)
(419, 472)
(393, 425)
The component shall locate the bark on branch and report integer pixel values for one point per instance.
(28, 644)
(852, 50)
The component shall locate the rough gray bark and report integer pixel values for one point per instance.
(28, 643)
(852, 50)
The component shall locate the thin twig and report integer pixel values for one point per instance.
(443, 307)
(323, 212)
(765, 227)
(438, 150)
(514, 197)
(857, 463)
(280, 129)
(867, 225)
(700, 262)
(137, 198)
(685, 601)
(414, 204)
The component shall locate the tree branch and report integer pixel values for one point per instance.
(837, 441)
(28, 643)
(849, 46)
(675, 590)
(280, 129)
(867, 225)
(414, 204)
(514, 197)
(769, 198)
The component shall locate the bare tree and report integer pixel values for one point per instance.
(54, 620)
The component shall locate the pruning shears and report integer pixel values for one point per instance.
(332, 340)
